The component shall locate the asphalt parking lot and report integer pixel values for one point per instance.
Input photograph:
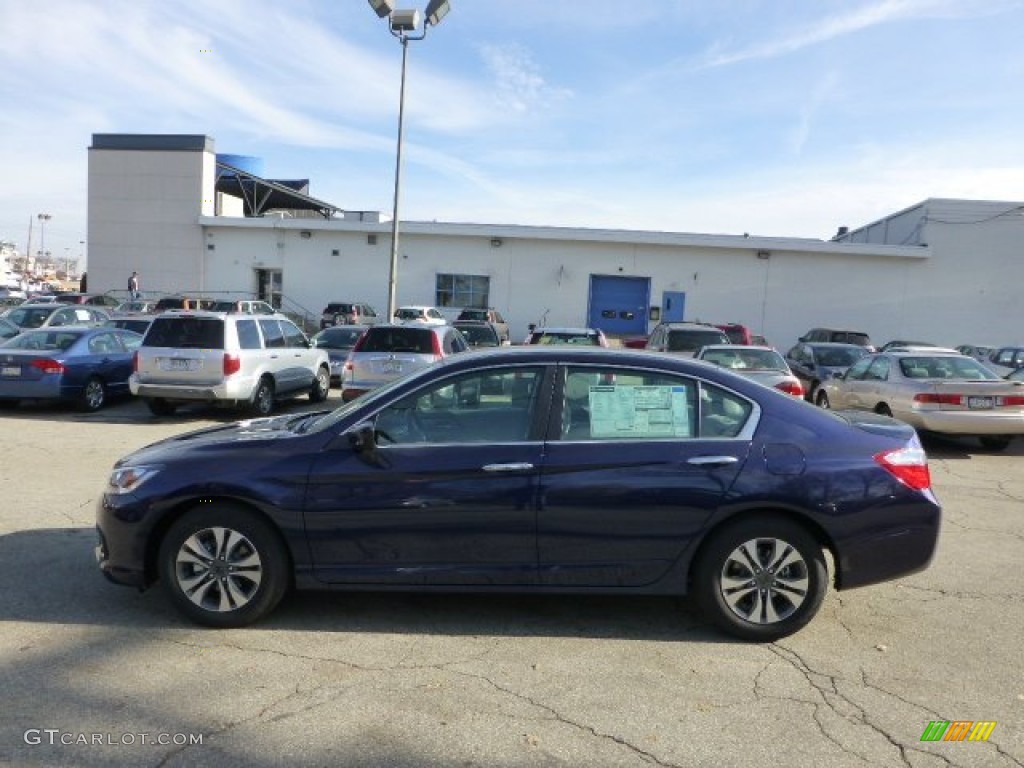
(97, 675)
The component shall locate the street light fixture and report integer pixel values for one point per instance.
(402, 25)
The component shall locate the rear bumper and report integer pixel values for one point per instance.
(967, 422)
(233, 390)
(883, 554)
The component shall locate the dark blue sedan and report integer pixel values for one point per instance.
(85, 365)
(532, 469)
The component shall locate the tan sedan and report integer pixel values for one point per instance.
(933, 391)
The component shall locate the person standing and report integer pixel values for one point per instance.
(133, 285)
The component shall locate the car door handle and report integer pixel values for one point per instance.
(513, 467)
(712, 461)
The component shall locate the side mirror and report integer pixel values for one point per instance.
(363, 439)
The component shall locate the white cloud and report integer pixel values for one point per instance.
(519, 85)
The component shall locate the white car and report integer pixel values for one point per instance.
(417, 314)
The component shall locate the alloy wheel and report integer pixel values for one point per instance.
(218, 569)
(764, 580)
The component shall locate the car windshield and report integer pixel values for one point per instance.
(838, 358)
(416, 340)
(690, 341)
(473, 314)
(962, 368)
(564, 337)
(338, 338)
(747, 359)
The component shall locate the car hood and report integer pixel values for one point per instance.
(245, 434)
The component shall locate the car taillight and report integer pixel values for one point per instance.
(1013, 400)
(791, 388)
(232, 364)
(909, 465)
(939, 399)
(436, 343)
(49, 366)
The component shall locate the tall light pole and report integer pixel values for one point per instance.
(403, 25)
(43, 218)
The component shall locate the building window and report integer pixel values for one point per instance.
(463, 291)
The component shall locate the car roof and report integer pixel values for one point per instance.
(564, 329)
(737, 347)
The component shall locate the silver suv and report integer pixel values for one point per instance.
(348, 313)
(386, 352)
(247, 360)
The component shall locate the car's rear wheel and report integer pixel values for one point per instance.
(321, 386)
(995, 442)
(160, 407)
(263, 398)
(821, 399)
(883, 410)
(94, 395)
(223, 566)
(761, 579)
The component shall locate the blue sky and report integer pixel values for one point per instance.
(771, 117)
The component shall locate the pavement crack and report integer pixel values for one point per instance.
(559, 717)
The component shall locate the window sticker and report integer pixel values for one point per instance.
(639, 411)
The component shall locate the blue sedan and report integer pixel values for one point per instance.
(531, 469)
(85, 365)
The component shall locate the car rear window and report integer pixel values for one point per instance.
(333, 308)
(473, 314)
(186, 333)
(847, 337)
(419, 340)
(690, 341)
(564, 337)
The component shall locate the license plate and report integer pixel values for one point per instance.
(178, 364)
(10, 371)
(392, 366)
(980, 402)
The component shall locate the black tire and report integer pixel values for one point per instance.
(812, 391)
(740, 551)
(223, 566)
(995, 442)
(883, 410)
(8, 403)
(160, 407)
(262, 403)
(94, 395)
(821, 400)
(321, 386)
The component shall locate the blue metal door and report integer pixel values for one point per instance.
(618, 305)
(672, 305)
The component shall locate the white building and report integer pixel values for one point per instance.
(167, 206)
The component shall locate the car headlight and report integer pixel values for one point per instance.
(128, 479)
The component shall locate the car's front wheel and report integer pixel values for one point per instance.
(821, 399)
(321, 386)
(761, 579)
(223, 566)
